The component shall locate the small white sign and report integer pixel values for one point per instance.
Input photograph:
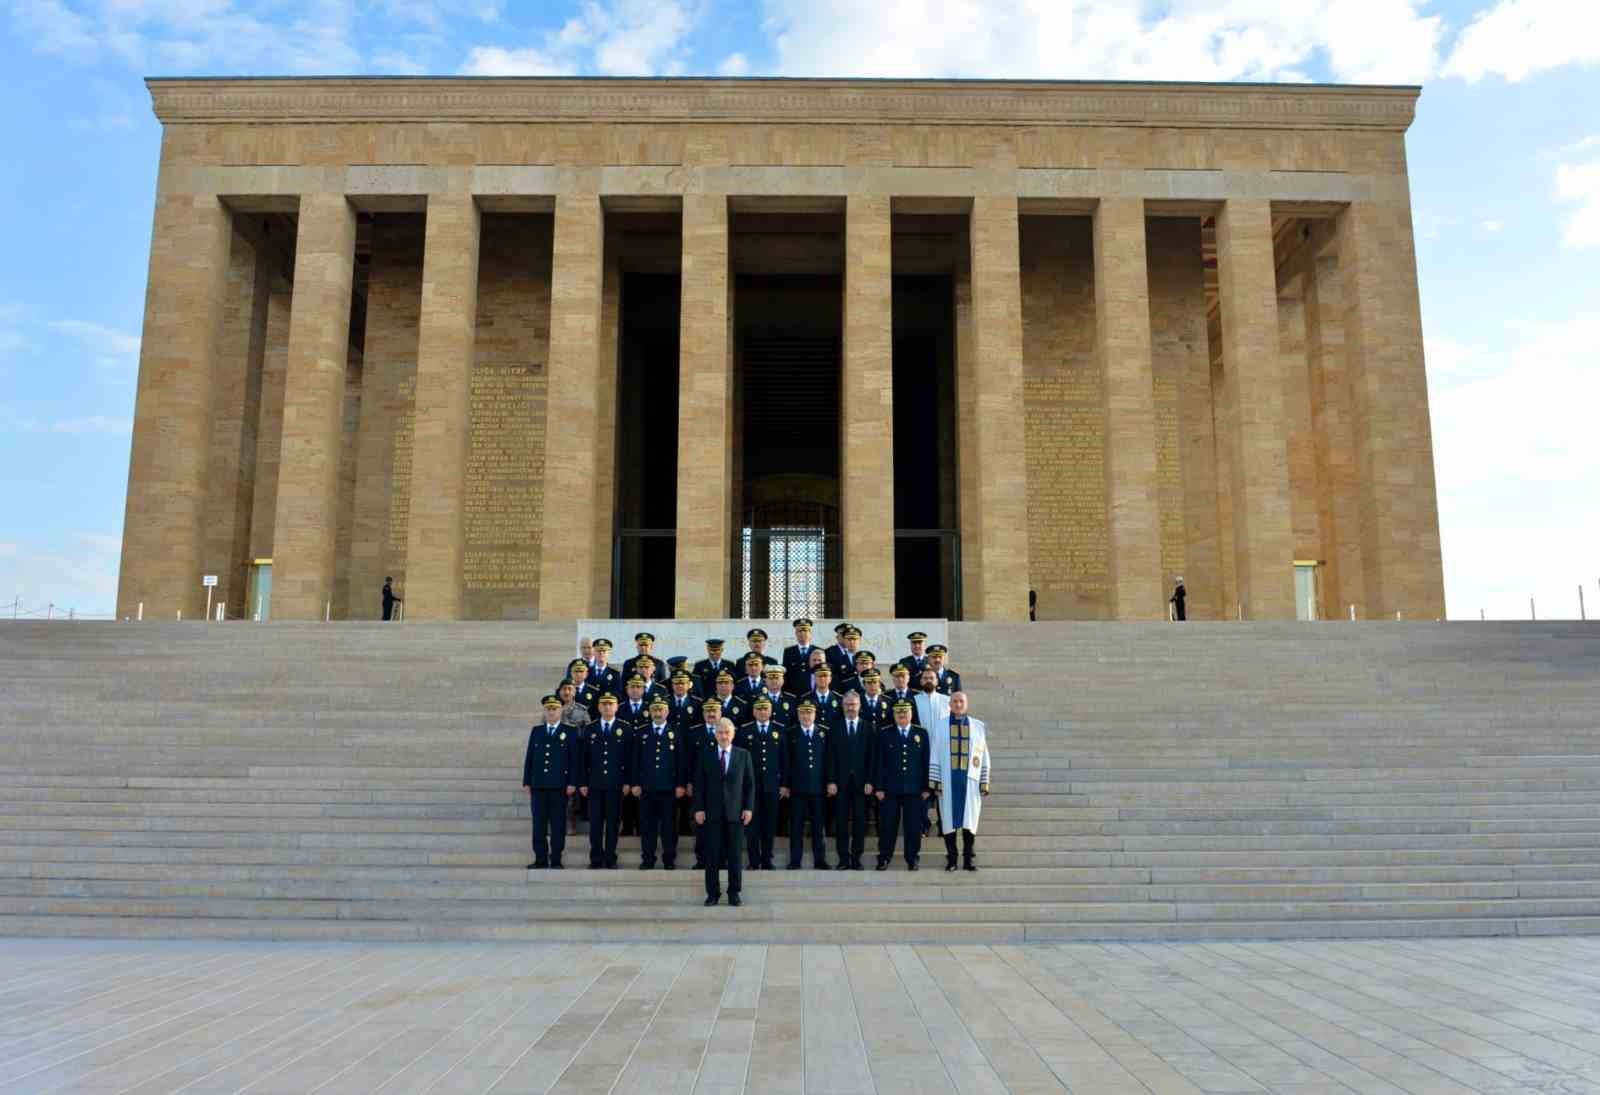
(209, 580)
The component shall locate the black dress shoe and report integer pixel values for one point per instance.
(556, 866)
(911, 866)
(647, 866)
(735, 900)
(883, 865)
(855, 865)
(794, 866)
(970, 866)
(699, 865)
(534, 866)
(824, 866)
(669, 866)
(950, 864)
(713, 899)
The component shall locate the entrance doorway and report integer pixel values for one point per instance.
(260, 592)
(1305, 591)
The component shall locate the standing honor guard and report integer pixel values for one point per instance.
(958, 770)
(807, 771)
(850, 781)
(763, 740)
(603, 779)
(550, 776)
(659, 767)
(899, 776)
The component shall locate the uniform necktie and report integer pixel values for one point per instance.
(852, 728)
(724, 762)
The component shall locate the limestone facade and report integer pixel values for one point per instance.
(393, 328)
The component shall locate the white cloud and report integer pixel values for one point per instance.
(1517, 454)
(1358, 40)
(111, 348)
(1491, 227)
(77, 572)
(619, 38)
(734, 64)
(1580, 183)
(1516, 39)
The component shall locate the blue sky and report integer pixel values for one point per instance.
(1505, 175)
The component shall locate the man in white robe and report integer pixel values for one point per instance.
(933, 715)
(958, 772)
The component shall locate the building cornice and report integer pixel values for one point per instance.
(665, 101)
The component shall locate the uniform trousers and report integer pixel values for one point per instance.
(549, 806)
(850, 820)
(802, 808)
(658, 819)
(605, 816)
(898, 812)
(762, 831)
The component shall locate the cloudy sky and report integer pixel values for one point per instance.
(1505, 175)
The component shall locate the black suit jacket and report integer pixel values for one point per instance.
(850, 757)
(725, 796)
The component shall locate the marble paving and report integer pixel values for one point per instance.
(1421, 1017)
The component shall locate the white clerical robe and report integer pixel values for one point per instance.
(979, 761)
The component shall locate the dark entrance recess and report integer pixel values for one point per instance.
(644, 563)
(927, 544)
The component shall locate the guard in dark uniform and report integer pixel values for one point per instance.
(841, 659)
(583, 693)
(550, 775)
(659, 767)
(875, 703)
(699, 740)
(900, 782)
(603, 676)
(683, 706)
(706, 669)
(797, 658)
(828, 703)
(634, 711)
(806, 768)
(782, 701)
(763, 740)
(654, 684)
(603, 779)
(917, 660)
(946, 680)
(757, 638)
(849, 759)
(901, 689)
(734, 709)
(645, 642)
(749, 686)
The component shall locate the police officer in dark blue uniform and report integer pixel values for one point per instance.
(900, 782)
(603, 676)
(782, 700)
(829, 703)
(584, 694)
(749, 684)
(757, 639)
(550, 776)
(946, 680)
(917, 660)
(646, 643)
(659, 767)
(706, 669)
(806, 769)
(763, 739)
(797, 656)
(603, 779)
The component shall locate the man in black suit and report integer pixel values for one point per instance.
(849, 762)
(724, 802)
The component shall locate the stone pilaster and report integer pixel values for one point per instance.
(306, 525)
(1392, 435)
(1305, 491)
(236, 410)
(1263, 540)
(163, 537)
(1122, 341)
(866, 430)
(1339, 510)
(566, 570)
(705, 413)
(605, 466)
(990, 434)
(969, 482)
(446, 328)
(269, 424)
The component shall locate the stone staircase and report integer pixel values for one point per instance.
(360, 781)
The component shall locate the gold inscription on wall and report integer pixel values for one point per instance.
(1169, 475)
(400, 473)
(505, 492)
(1066, 480)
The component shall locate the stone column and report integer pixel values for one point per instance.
(269, 424)
(1393, 437)
(605, 465)
(969, 498)
(866, 427)
(1122, 341)
(163, 533)
(1263, 539)
(705, 413)
(306, 525)
(990, 434)
(1343, 583)
(566, 570)
(446, 332)
(1304, 489)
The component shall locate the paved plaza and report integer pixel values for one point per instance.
(1434, 1016)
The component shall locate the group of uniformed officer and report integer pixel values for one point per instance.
(822, 732)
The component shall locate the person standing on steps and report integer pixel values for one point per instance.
(724, 802)
(849, 759)
(550, 776)
(1179, 595)
(762, 738)
(806, 769)
(899, 778)
(933, 713)
(389, 599)
(659, 772)
(603, 780)
(958, 772)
